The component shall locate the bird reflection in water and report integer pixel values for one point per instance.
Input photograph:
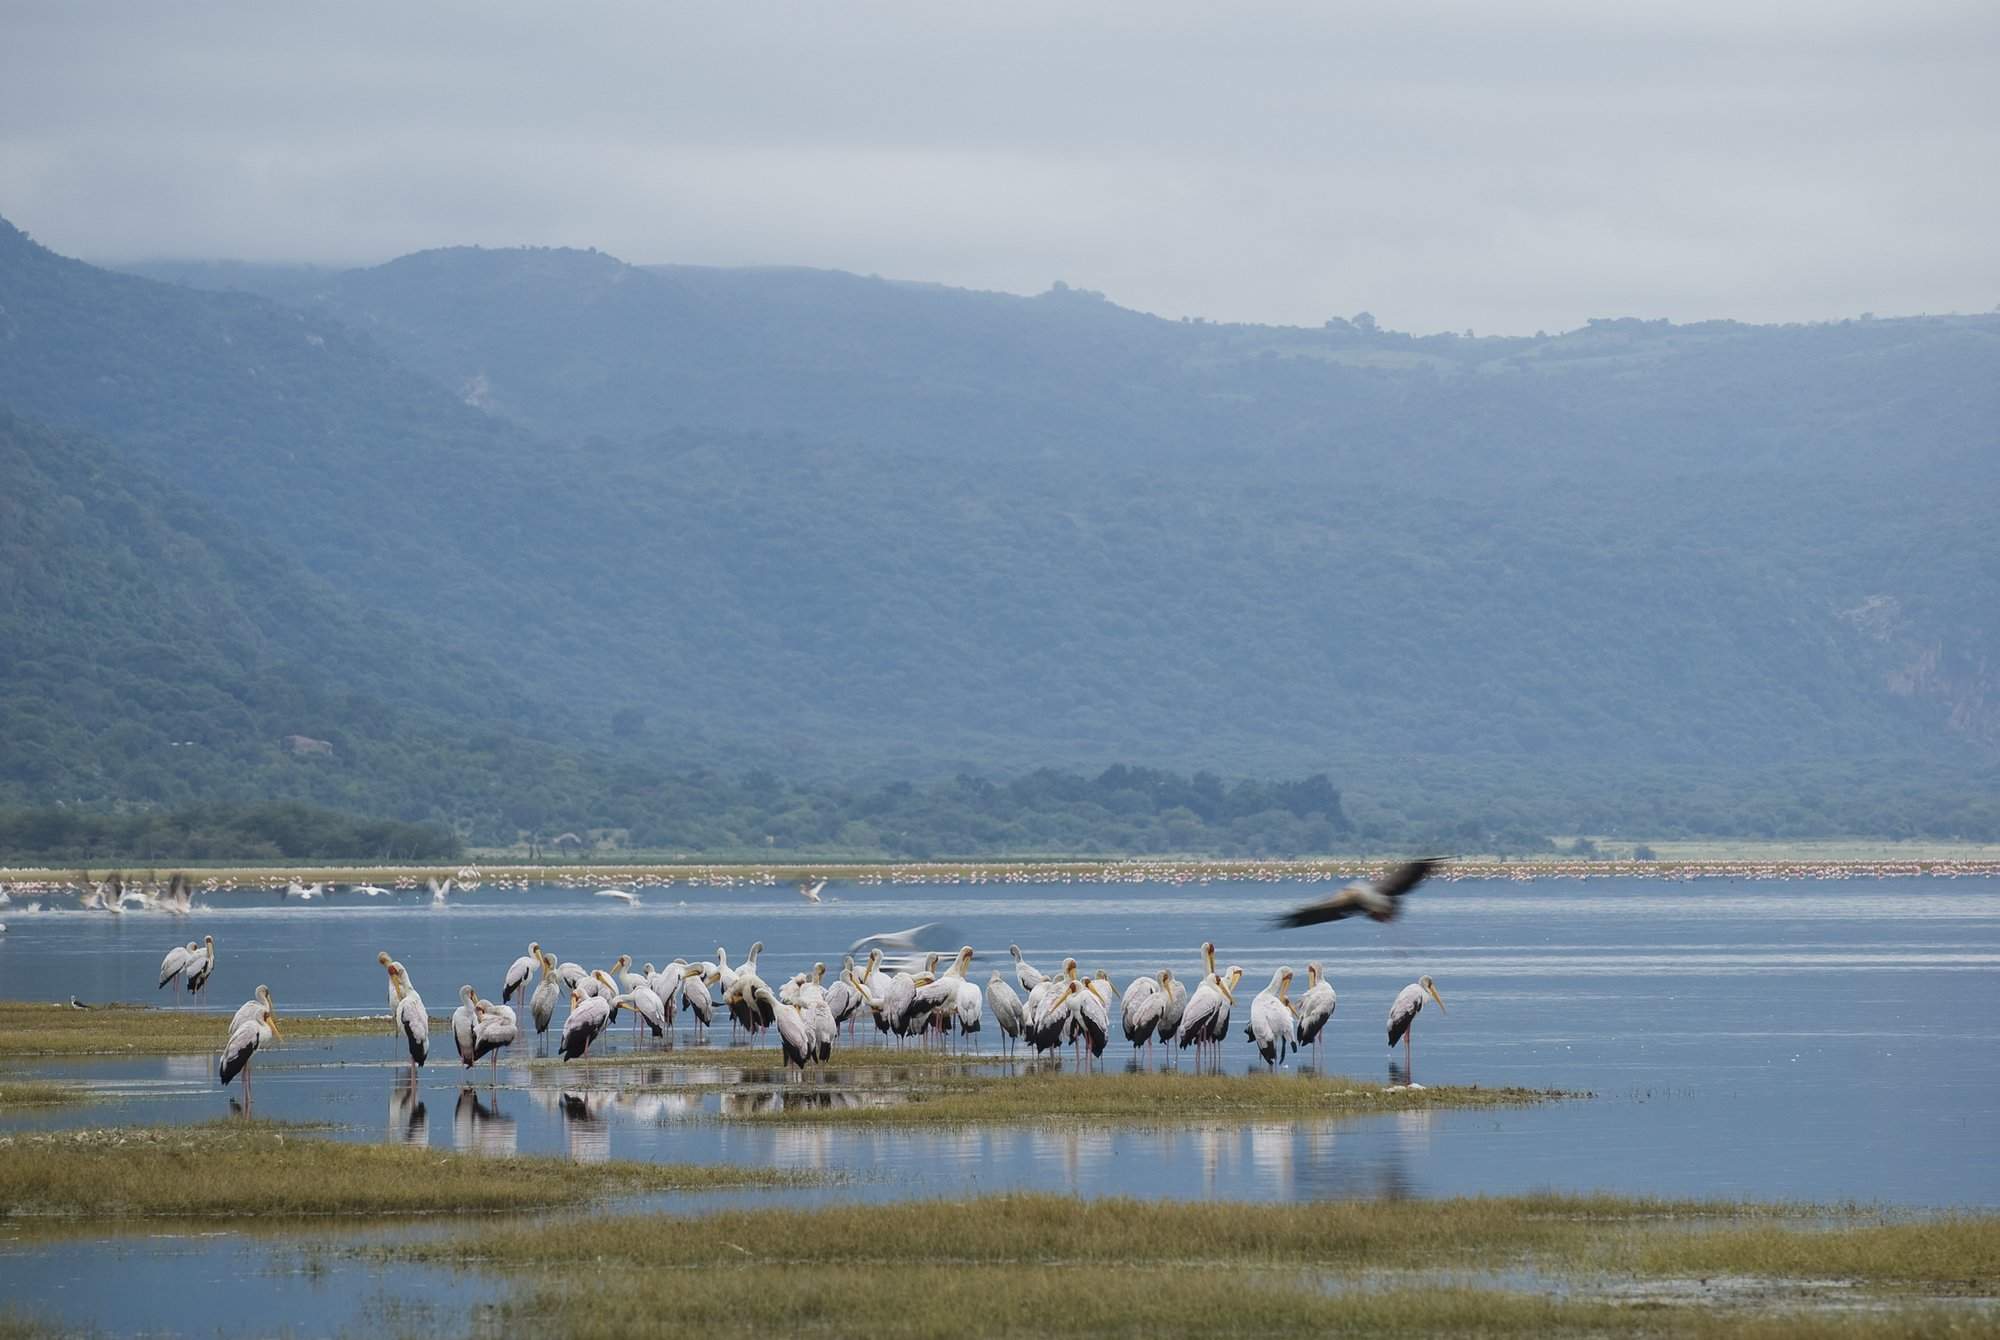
(585, 1130)
(481, 1127)
(409, 1122)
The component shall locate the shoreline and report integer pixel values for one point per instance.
(34, 880)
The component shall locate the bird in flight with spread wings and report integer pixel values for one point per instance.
(1379, 900)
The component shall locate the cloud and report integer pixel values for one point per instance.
(1443, 165)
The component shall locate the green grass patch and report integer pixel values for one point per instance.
(18, 1094)
(234, 1169)
(1035, 1264)
(138, 1030)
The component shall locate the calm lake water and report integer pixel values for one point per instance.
(1817, 1040)
(1824, 1040)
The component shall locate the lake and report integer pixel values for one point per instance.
(1819, 1040)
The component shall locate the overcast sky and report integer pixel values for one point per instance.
(1503, 165)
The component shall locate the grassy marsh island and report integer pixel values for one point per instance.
(34, 1030)
(1144, 1099)
(1032, 1264)
(19, 1094)
(237, 1169)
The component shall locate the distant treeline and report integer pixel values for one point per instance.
(279, 831)
(1118, 811)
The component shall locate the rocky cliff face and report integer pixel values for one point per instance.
(1951, 669)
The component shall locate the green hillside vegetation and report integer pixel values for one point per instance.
(579, 544)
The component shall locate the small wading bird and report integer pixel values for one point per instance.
(1380, 900)
(242, 1045)
(810, 890)
(1403, 1020)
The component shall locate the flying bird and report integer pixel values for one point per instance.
(1379, 900)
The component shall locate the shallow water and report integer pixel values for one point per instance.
(1819, 1041)
(1822, 1040)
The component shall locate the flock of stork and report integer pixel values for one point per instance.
(922, 1003)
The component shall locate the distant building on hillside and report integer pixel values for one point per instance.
(305, 744)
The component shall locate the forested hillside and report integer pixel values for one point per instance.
(1635, 578)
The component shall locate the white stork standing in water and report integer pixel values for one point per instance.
(1006, 1008)
(175, 963)
(1273, 1027)
(200, 965)
(1315, 1008)
(520, 971)
(1140, 1010)
(1026, 973)
(587, 1017)
(464, 1022)
(242, 1045)
(412, 1023)
(494, 1028)
(260, 1001)
(1403, 1020)
(542, 1005)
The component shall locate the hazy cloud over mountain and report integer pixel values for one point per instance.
(1441, 164)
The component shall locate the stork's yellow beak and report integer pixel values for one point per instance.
(1439, 999)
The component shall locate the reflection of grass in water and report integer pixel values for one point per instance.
(1020, 1264)
(765, 1058)
(237, 1168)
(1148, 1098)
(40, 1093)
(134, 1030)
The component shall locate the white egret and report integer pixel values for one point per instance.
(1379, 900)
(1403, 1020)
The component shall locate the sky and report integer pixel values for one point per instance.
(1502, 166)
